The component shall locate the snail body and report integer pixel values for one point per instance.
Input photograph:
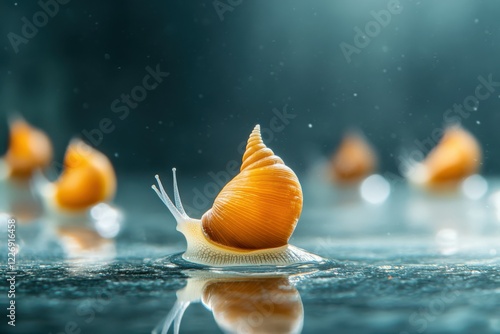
(252, 218)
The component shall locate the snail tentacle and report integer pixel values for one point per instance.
(179, 217)
(175, 316)
(177, 196)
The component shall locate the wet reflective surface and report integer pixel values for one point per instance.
(412, 264)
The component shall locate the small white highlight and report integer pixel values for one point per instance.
(446, 236)
(474, 187)
(4, 219)
(375, 189)
(107, 220)
(495, 200)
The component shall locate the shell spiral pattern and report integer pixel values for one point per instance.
(260, 207)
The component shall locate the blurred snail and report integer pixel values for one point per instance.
(29, 151)
(88, 178)
(242, 304)
(252, 217)
(456, 156)
(354, 159)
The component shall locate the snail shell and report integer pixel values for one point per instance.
(29, 150)
(354, 159)
(252, 218)
(457, 156)
(88, 178)
(259, 208)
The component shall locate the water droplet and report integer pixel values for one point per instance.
(309, 125)
(355, 94)
(116, 155)
(476, 21)
(478, 122)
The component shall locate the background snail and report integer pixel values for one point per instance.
(456, 156)
(354, 159)
(252, 218)
(88, 178)
(29, 151)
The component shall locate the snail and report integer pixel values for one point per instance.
(242, 304)
(87, 179)
(29, 151)
(354, 159)
(456, 157)
(252, 217)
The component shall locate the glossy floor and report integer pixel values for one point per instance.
(412, 264)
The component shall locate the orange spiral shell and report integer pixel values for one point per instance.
(29, 149)
(354, 160)
(259, 208)
(457, 156)
(87, 179)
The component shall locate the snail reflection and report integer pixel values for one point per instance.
(91, 236)
(241, 304)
